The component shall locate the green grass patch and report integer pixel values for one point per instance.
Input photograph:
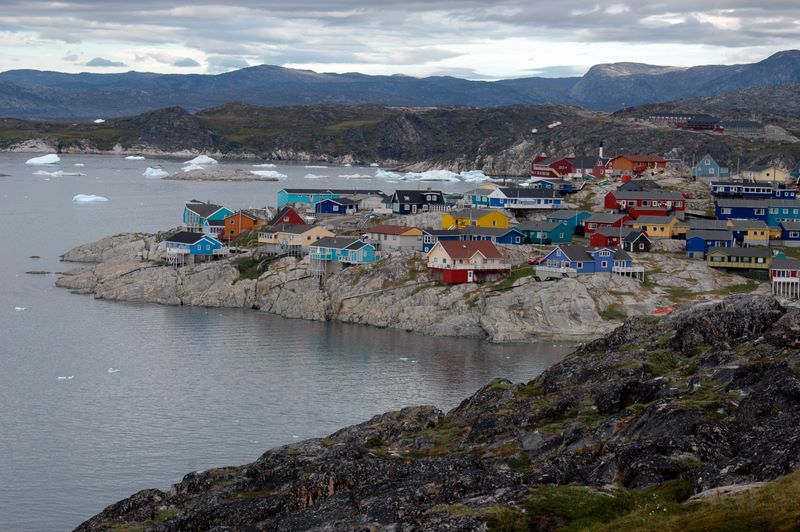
(520, 463)
(531, 389)
(498, 384)
(248, 268)
(741, 288)
(664, 361)
(515, 275)
(613, 313)
(250, 495)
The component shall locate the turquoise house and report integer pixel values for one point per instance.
(541, 232)
(187, 247)
(198, 214)
(573, 219)
(312, 196)
(708, 168)
(346, 250)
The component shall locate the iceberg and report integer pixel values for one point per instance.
(474, 176)
(201, 159)
(269, 173)
(355, 176)
(435, 175)
(385, 174)
(374, 165)
(134, 158)
(51, 158)
(315, 166)
(99, 121)
(192, 167)
(265, 165)
(88, 198)
(314, 176)
(155, 172)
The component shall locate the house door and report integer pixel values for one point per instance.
(470, 276)
(413, 209)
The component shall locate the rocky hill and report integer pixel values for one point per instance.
(55, 95)
(618, 435)
(498, 140)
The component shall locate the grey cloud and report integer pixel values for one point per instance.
(217, 64)
(102, 62)
(186, 62)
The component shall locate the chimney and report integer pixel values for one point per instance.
(601, 149)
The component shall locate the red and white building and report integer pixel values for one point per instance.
(466, 261)
(646, 202)
(784, 275)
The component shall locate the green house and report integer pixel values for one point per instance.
(573, 219)
(542, 232)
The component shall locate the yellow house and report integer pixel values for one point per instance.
(753, 232)
(476, 218)
(767, 173)
(739, 258)
(657, 226)
(293, 235)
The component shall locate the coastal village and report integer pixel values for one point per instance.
(575, 217)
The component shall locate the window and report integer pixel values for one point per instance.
(760, 260)
(710, 170)
(725, 210)
(794, 234)
(759, 212)
(578, 265)
(717, 258)
(604, 264)
(641, 246)
(231, 221)
(335, 208)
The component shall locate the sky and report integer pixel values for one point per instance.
(471, 39)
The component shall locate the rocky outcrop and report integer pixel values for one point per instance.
(705, 398)
(395, 292)
(218, 175)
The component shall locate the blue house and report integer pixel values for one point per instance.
(493, 234)
(745, 209)
(581, 260)
(707, 167)
(346, 250)
(526, 198)
(572, 219)
(414, 201)
(751, 190)
(559, 185)
(431, 237)
(197, 213)
(339, 206)
(543, 232)
(698, 242)
(312, 196)
(790, 234)
(199, 246)
(782, 210)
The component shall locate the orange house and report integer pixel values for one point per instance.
(636, 163)
(242, 221)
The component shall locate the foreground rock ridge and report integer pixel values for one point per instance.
(659, 409)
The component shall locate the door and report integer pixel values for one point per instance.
(470, 276)
(413, 209)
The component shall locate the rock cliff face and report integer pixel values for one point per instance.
(393, 293)
(707, 397)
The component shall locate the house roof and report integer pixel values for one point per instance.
(202, 208)
(442, 232)
(786, 263)
(295, 229)
(586, 161)
(340, 201)
(615, 231)
(280, 215)
(538, 225)
(659, 195)
(635, 235)
(386, 229)
(739, 225)
(752, 203)
(521, 192)
(791, 226)
(755, 251)
(604, 218)
(706, 225)
(641, 158)
(550, 160)
(651, 220)
(709, 235)
(582, 253)
(565, 214)
(188, 237)
(488, 231)
(216, 223)
(475, 213)
(418, 196)
(465, 249)
(337, 242)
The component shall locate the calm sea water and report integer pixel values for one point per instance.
(195, 388)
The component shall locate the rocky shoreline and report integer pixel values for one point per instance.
(394, 292)
(619, 435)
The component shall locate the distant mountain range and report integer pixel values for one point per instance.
(54, 95)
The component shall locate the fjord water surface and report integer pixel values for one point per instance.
(195, 388)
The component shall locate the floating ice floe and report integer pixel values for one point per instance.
(88, 198)
(202, 159)
(112, 370)
(404, 359)
(348, 164)
(19, 309)
(265, 165)
(375, 165)
(193, 167)
(315, 166)
(57, 173)
(134, 158)
(269, 173)
(50, 158)
(80, 165)
(66, 378)
(474, 176)
(314, 176)
(355, 176)
(433, 175)
(99, 121)
(386, 174)
(155, 172)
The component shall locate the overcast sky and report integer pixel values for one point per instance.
(467, 38)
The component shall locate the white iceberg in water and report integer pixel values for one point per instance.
(314, 176)
(155, 172)
(80, 165)
(435, 175)
(474, 176)
(315, 166)
(269, 173)
(51, 158)
(374, 165)
(99, 121)
(88, 198)
(265, 165)
(193, 167)
(202, 159)
(355, 176)
(134, 158)
(385, 174)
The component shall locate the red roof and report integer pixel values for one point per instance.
(386, 229)
(464, 249)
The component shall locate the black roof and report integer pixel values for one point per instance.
(786, 263)
(338, 242)
(202, 208)
(281, 213)
(417, 196)
(635, 235)
(755, 251)
(518, 192)
(586, 161)
(187, 237)
(341, 201)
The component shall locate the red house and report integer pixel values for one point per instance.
(605, 219)
(785, 276)
(286, 216)
(609, 237)
(466, 261)
(556, 167)
(645, 200)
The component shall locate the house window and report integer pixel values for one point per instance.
(641, 246)
(604, 264)
(710, 170)
(760, 260)
(794, 234)
(717, 258)
(335, 208)
(725, 210)
(759, 212)
(579, 265)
